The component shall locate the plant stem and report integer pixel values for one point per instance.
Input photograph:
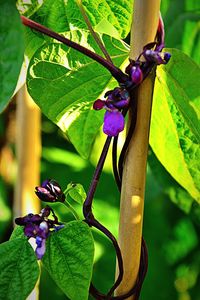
(94, 34)
(71, 209)
(144, 27)
(116, 72)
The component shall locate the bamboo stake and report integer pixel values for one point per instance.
(28, 148)
(143, 31)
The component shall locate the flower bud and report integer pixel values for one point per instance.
(50, 191)
(136, 74)
(98, 104)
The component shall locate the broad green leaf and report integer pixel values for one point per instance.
(76, 191)
(110, 17)
(65, 83)
(11, 50)
(19, 269)
(175, 126)
(69, 259)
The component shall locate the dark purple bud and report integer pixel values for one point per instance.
(167, 57)
(98, 104)
(136, 74)
(50, 191)
(113, 123)
(45, 212)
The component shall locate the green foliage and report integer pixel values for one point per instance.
(175, 121)
(65, 83)
(69, 259)
(76, 191)
(19, 269)
(11, 50)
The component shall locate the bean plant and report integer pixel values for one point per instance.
(78, 71)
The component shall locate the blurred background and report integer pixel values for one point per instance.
(171, 219)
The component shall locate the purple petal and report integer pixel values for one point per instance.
(41, 250)
(113, 123)
(31, 230)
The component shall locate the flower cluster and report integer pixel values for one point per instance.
(50, 191)
(116, 100)
(39, 226)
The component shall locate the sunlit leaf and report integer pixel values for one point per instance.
(76, 191)
(175, 126)
(65, 83)
(11, 50)
(19, 269)
(69, 259)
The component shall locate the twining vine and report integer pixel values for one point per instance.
(117, 103)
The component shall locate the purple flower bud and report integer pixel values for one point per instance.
(50, 191)
(113, 123)
(167, 57)
(98, 104)
(157, 57)
(136, 74)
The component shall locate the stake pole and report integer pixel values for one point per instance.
(28, 148)
(143, 31)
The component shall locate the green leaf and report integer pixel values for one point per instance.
(168, 185)
(27, 8)
(175, 126)
(184, 34)
(76, 191)
(18, 232)
(69, 259)
(19, 270)
(11, 50)
(65, 83)
(110, 17)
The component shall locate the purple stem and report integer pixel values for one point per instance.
(116, 72)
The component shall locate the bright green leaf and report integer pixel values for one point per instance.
(27, 8)
(116, 15)
(69, 259)
(65, 83)
(11, 50)
(175, 126)
(76, 191)
(19, 269)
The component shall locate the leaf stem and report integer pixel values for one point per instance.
(94, 34)
(116, 72)
(72, 210)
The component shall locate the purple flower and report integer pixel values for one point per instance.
(113, 123)
(117, 99)
(50, 191)
(38, 226)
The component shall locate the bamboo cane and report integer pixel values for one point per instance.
(28, 148)
(143, 31)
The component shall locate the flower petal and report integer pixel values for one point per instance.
(113, 123)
